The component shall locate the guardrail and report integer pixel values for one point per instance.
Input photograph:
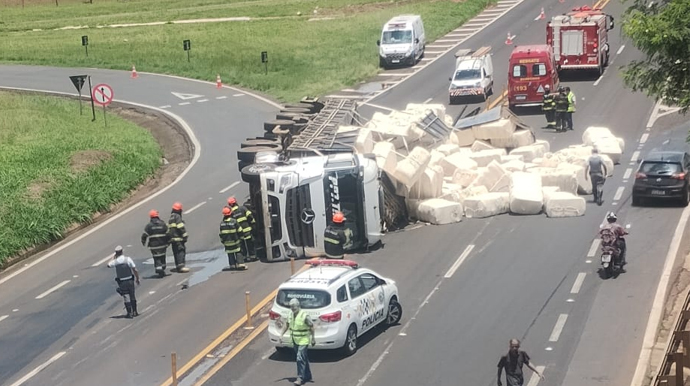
(677, 352)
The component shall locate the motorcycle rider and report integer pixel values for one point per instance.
(597, 171)
(618, 231)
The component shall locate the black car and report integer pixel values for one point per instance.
(663, 175)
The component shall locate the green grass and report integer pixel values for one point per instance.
(41, 191)
(305, 57)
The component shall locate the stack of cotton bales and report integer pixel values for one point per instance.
(605, 141)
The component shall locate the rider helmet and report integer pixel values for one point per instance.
(611, 217)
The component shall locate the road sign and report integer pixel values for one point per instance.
(102, 94)
(78, 82)
(264, 56)
(187, 45)
(85, 40)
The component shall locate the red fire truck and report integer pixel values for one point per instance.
(579, 39)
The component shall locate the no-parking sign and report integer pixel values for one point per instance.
(102, 94)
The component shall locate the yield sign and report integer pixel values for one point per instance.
(102, 94)
(184, 97)
(78, 81)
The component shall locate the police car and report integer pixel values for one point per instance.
(343, 301)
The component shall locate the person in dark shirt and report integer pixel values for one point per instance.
(512, 363)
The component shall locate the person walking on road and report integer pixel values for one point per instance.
(178, 236)
(230, 233)
(549, 108)
(335, 237)
(561, 101)
(156, 234)
(246, 221)
(571, 107)
(126, 275)
(597, 172)
(512, 363)
(302, 334)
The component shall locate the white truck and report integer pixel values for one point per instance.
(402, 42)
(473, 75)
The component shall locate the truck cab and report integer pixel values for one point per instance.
(473, 75)
(530, 69)
(402, 41)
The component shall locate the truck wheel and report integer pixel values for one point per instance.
(283, 123)
(248, 154)
(297, 110)
(260, 142)
(297, 118)
(269, 135)
(250, 174)
(382, 64)
(307, 106)
(241, 165)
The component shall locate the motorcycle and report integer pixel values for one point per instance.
(611, 255)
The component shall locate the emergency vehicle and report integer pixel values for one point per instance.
(473, 74)
(579, 39)
(402, 42)
(530, 69)
(343, 301)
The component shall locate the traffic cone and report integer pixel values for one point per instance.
(541, 15)
(509, 39)
(219, 83)
(134, 72)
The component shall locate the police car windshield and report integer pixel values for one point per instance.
(467, 74)
(397, 37)
(308, 299)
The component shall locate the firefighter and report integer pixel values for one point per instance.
(230, 236)
(156, 234)
(549, 107)
(335, 237)
(561, 109)
(571, 107)
(246, 221)
(178, 237)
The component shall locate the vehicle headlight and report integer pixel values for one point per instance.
(454, 86)
(478, 84)
(284, 182)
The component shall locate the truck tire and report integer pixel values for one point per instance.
(250, 174)
(297, 118)
(260, 142)
(248, 154)
(382, 64)
(241, 165)
(269, 135)
(310, 107)
(317, 106)
(395, 214)
(283, 123)
(297, 110)
(297, 128)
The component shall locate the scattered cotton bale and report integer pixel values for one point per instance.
(436, 157)
(448, 149)
(463, 137)
(386, 158)
(564, 179)
(621, 143)
(563, 204)
(517, 139)
(609, 147)
(457, 161)
(592, 133)
(439, 212)
(448, 120)
(526, 196)
(495, 178)
(508, 158)
(548, 190)
(502, 128)
(514, 166)
(465, 151)
(429, 185)
(543, 144)
(584, 184)
(465, 177)
(436, 108)
(608, 164)
(529, 152)
(582, 151)
(411, 168)
(451, 192)
(551, 160)
(538, 161)
(487, 205)
(484, 157)
(365, 142)
(479, 145)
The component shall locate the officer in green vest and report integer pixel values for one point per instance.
(302, 333)
(571, 107)
(549, 108)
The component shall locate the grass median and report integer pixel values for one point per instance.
(59, 168)
(306, 57)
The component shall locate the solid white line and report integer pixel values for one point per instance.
(594, 247)
(649, 340)
(195, 207)
(165, 107)
(428, 100)
(619, 193)
(230, 187)
(396, 74)
(635, 156)
(644, 137)
(654, 116)
(202, 100)
(578, 283)
(432, 53)
(222, 97)
(534, 380)
(441, 46)
(627, 174)
(39, 369)
(446, 40)
(475, 25)
(425, 59)
(41, 296)
(558, 328)
(238, 95)
(4, 317)
(103, 260)
(599, 80)
(459, 261)
(184, 103)
(620, 49)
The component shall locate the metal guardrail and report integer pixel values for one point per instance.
(677, 352)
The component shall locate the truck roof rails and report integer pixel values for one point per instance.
(474, 54)
(321, 133)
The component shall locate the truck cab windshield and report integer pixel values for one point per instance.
(467, 75)
(397, 37)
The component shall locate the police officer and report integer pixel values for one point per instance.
(561, 101)
(597, 172)
(127, 275)
(246, 221)
(178, 237)
(549, 108)
(571, 107)
(156, 233)
(230, 233)
(302, 334)
(335, 237)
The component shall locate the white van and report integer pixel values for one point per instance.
(402, 41)
(473, 75)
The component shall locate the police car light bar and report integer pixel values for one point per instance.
(342, 263)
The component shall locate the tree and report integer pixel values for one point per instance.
(661, 31)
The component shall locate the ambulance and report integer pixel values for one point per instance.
(402, 42)
(530, 69)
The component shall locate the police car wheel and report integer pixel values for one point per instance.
(394, 313)
(285, 351)
(350, 346)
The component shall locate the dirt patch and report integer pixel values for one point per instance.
(85, 160)
(35, 190)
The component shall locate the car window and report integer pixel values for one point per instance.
(341, 295)
(539, 69)
(356, 288)
(369, 281)
(662, 168)
(308, 299)
(519, 71)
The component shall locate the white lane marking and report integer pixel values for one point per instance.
(428, 100)
(238, 95)
(619, 193)
(57, 287)
(202, 100)
(534, 380)
(549, 349)
(165, 107)
(459, 261)
(75, 276)
(594, 247)
(425, 59)
(635, 156)
(570, 300)
(620, 49)
(599, 80)
(230, 187)
(441, 46)
(446, 40)
(649, 341)
(627, 174)
(430, 53)
(222, 97)
(195, 207)
(644, 137)
(103, 260)
(181, 282)
(578, 283)
(655, 115)
(4, 317)
(184, 96)
(588, 261)
(152, 292)
(15, 310)
(558, 328)
(39, 369)
(397, 74)
(184, 103)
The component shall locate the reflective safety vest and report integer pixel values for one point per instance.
(571, 102)
(178, 232)
(549, 103)
(299, 329)
(245, 219)
(334, 240)
(230, 234)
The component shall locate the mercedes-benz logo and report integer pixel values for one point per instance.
(307, 216)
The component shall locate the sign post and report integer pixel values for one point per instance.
(85, 43)
(102, 95)
(78, 82)
(264, 60)
(187, 45)
(93, 108)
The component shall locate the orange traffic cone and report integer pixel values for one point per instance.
(509, 39)
(219, 83)
(541, 15)
(134, 72)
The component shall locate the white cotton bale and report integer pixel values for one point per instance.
(365, 142)
(579, 151)
(526, 196)
(529, 152)
(457, 161)
(386, 159)
(508, 158)
(495, 178)
(436, 157)
(514, 166)
(448, 149)
(448, 120)
(608, 164)
(548, 190)
(411, 168)
(563, 204)
(517, 139)
(465, 150)
(440, 212)
(480, 145)
(502, 128)
(484, 157)
(584, 184)
(429, 185)
(463, 137)
(437, 108)
(564, 179)
(609, 147)
(551, 160)
(538, 161)
(545, 145)
(592, 133)
(486, 205)
(621, 144)
(465, 177)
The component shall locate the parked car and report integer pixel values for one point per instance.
(664, 175)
